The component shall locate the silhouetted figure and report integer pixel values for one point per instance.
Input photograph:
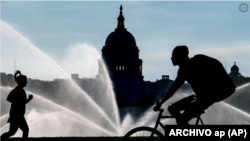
(17, 97)
(208, 79)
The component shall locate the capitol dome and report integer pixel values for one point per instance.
(120, 36)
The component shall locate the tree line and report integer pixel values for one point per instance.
(241, 81)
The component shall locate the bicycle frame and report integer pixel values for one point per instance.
(161, 117)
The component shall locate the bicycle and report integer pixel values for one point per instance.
(139, 133)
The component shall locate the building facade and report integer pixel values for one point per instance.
(121, 56)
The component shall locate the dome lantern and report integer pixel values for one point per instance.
(120, 24)
(120, 36)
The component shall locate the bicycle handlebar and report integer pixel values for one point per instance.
(158, 107)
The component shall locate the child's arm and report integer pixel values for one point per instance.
(30, 97)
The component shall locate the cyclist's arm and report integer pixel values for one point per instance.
(174, 87)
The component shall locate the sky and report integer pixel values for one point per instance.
(72, 34)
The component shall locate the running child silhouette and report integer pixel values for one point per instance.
(17, 97)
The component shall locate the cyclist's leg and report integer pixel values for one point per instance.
(192, 110)
(175, 108)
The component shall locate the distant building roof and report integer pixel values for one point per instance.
(235, 72)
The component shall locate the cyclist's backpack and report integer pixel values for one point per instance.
(220, 82)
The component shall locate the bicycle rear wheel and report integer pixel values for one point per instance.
(143, 134)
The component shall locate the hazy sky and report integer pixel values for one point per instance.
(67, 31)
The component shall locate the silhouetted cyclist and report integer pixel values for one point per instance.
(208, 79)
(18, 99)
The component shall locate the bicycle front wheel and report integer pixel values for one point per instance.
(143, 134)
